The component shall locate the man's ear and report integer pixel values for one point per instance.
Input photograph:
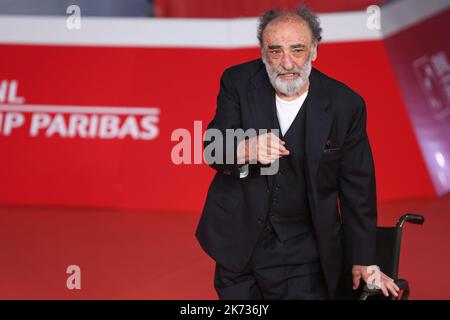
(314, 53)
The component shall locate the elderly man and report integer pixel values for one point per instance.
(298, 233)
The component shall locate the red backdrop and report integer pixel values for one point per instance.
(183, 84)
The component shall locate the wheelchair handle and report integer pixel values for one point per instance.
(410, 217)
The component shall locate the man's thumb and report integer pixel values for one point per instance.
(356, 280)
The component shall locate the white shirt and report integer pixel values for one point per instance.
(287, 111)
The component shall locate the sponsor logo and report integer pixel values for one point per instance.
(86, 122)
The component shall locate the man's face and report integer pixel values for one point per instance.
(287, 52)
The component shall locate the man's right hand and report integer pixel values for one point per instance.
(265, 148)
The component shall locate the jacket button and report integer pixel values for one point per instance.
(272, 215)
(259, 221)
(275, 200)
(277, 187)
(268, 191)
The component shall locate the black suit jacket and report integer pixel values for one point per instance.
(340, 174)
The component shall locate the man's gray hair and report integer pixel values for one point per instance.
(302, 11)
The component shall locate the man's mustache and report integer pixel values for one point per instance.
(283, 71)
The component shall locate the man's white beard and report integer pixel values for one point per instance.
(288, 87)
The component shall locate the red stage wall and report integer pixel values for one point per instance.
(182, 83)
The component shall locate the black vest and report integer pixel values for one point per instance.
(289, 209)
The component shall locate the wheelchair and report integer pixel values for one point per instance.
(388, 256)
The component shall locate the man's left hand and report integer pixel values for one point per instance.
(372, 275)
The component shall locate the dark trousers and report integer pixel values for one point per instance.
(276, 270)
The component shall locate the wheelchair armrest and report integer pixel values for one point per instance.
(367, 292)
(402, 284)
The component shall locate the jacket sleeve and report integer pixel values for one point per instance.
(357, 196)
(228, 116)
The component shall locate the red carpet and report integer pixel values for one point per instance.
(141, 255)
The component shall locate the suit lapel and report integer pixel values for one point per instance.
(262, 101)
(262, 105)
(318, 123)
